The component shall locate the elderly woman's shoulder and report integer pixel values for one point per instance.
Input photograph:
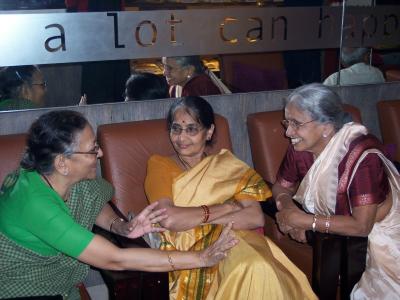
(97, 186)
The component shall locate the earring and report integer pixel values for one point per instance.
(324, 135)
(188, 77)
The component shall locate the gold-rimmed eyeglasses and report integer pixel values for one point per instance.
(191, 130)
(295, 124)
(95, 151)
(43, 84)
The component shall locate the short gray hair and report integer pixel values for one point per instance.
(194, 60)
(322, 103)
(351, 56)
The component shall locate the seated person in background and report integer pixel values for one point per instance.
(145, 86)
(187, 76)
(339, 174)
(21, 87)
(201, 192)
(48, 207)
(356, 68)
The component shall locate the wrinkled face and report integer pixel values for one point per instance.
(37, 89)
(83, 165)
(188, 136)
(308, 137)
(174, 73)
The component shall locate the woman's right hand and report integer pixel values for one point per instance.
(219, 249)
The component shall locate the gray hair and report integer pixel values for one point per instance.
(194, 60)
(351, 56)
(322, 103)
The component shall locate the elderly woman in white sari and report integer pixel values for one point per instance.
(349, 191)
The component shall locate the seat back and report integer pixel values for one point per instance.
(250, 72)
(11, 151)
(127, 148)
(389, 122)
(268, 142)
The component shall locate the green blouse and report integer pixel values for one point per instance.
(36, 217)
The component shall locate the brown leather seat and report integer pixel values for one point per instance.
(11, 151)
(389, 121)
(268, 147)
(127, 148)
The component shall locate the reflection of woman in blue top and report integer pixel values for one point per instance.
(21, 87)
(48, 207)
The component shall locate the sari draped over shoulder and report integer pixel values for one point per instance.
(254, 269)
(321, 188)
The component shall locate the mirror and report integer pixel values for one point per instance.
(279, 68)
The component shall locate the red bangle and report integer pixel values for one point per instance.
(206, 211)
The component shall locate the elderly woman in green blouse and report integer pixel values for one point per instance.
(48, 207)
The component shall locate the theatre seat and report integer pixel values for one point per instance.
(127, 148)
(268, 147)
(389, 122)
(11, 151)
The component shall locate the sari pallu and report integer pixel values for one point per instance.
(255, 268)
(319, 193)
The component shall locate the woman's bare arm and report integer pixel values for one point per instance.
(103, 254)
(184, 218)
(249, 217)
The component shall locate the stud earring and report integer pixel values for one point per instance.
(324, 135)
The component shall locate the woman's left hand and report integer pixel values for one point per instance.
(145, 222)
(286, 219)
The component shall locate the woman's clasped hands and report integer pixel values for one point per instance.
(286, 219)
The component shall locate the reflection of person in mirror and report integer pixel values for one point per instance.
(145, 86)
(356, 68)
(21, 87)
(187, 76)
(49, 206)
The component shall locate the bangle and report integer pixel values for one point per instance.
(327, 223)
(314, 224)
(206, 212)
(171, 262)
(280, 195)
(115, 220)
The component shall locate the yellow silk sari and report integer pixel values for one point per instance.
(256, 268)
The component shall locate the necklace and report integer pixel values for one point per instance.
(50, 185)
(48, 181)
(185, 164)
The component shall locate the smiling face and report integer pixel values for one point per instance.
(189, 147)
(174, 73)
(312, 136)
(83, 165)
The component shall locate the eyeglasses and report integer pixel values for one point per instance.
(295, 124)
(95, 151)
(191, 130)
(43, 84)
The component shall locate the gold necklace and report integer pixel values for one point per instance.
(185, 164)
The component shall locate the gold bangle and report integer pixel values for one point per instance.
(171, 262)
(314, 224)
(113, 221)
(327, 223)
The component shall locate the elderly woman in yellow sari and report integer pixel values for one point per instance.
(202, 192)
